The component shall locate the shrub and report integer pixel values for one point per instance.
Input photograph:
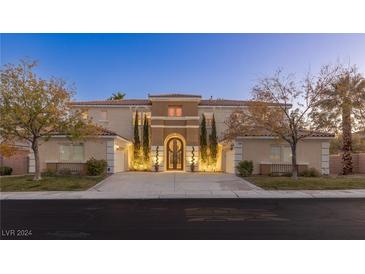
(244, 168)
(95, 167)
(5, 170)
(312, 172)
(49, 173)
(64, 172)
(284, 174)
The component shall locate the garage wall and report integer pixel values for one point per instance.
(119, 161)
(229, 161)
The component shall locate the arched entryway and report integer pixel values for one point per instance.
(175, 154)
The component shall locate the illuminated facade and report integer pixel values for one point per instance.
(174, 128)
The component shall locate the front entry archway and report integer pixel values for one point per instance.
(175, 154)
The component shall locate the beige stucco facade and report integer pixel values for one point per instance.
(183, 129)
(117, 119)
(312, 153)
(113, 150)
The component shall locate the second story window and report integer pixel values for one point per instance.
(175, 111)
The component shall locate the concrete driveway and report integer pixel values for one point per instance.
(150, 185)
(173, 184)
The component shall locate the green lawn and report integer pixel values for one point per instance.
(286, 183)
(57, 183)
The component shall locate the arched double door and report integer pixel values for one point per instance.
(175, 154)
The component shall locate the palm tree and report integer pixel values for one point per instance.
(342, 105)
(117, 96)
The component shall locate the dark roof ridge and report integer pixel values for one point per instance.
(174, 95)
(203, 102)
(113, 102)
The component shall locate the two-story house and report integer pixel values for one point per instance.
(174, 121)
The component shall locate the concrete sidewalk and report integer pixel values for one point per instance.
(173, 185)
(249, 194)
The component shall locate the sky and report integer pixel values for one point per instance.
(218, 65)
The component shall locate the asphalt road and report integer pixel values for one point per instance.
(184, 219)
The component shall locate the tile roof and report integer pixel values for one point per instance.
(267, 134)
(174, 95)
(222, 102)
(143, 102)
(126, 102)
(102, 132)
(230, 103)
(146, 102)
(107, 132)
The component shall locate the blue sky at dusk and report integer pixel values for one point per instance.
(218, 65)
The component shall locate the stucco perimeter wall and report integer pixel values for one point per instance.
(18, 162)
(50, 151)
(358, 163)
(311, 152)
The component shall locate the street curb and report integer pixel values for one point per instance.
(250, 194)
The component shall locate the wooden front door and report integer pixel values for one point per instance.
(175, 154)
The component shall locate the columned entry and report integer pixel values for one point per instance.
(175, 154)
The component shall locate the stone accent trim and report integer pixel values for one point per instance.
(110, 156)
(31, 168)
(325, 167)
(237, 152)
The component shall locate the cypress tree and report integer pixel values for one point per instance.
(203, 140)
(146, 139)
(136, 141)
(213, 142)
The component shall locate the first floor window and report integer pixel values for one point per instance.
(286, 154)
(275, 153)
(281, 154)
(72, 152)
